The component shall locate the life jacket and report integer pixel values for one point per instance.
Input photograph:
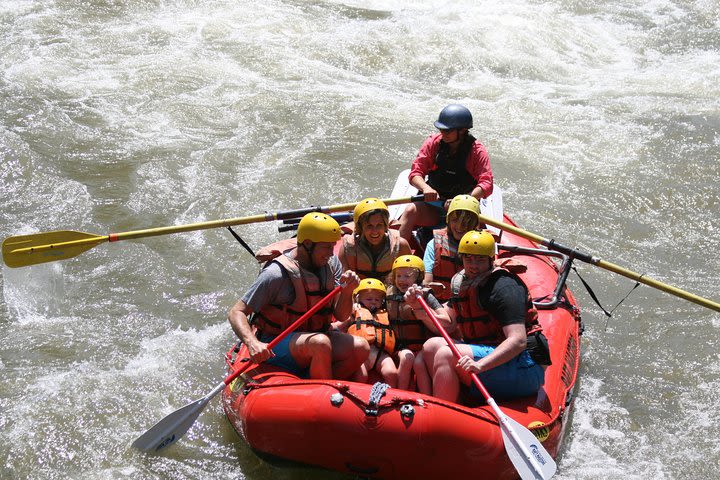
(477, 325)
(274, 319)
(410, 331)
(373, 327)
(447, 262)
(360, 259)
(449, 175)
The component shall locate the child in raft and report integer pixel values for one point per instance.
(369, 320)
(409, 321)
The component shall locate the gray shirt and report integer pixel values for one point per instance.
(273, 286)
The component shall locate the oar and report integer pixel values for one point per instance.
(525, 451)
(171, 428)
(34, 248)
(584, 257)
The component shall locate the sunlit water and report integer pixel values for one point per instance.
(602, 122)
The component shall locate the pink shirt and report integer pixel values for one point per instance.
(478, 162)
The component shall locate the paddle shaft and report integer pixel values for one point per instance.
(24, 250)
(584, 257)
(529, 457)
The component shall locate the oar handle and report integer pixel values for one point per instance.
(587, 258)
(313, 310)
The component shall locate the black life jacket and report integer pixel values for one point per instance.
(449, 176)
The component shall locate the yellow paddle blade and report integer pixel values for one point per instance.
(34, 248)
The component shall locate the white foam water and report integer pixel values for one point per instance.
(602, 125)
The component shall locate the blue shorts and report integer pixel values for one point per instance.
(439, 205)
(283, 358)
(520, 377)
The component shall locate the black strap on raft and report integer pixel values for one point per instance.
(242, 242)
(594, 297)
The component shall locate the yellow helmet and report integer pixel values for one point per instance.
(464, 202)
(370, 284)
(409, 261)
(318, 227)
(368, 205)
(477, 243)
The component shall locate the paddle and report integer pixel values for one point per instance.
(34, 248)
(525, 451)
(553, 245)
(171, 428)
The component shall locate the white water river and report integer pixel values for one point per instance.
(603, 126)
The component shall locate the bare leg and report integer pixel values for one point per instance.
(348, 354)
(430, 348)
(361, 375)
(405, 367)
(313, 350)
(388, 370)
(424, 382)
(446, 383)
(417, 215)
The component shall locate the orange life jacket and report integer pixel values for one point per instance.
(477, 325)
(373, 327)
(274, 319)
(361, 260)
(410, 332)
(447, 262)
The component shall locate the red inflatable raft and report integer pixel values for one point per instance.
(363, 430)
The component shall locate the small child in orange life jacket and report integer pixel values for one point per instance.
(410, 323)
(369, 320)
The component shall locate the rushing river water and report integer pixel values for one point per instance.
(603, 126)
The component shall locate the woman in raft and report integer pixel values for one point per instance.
(373, 247)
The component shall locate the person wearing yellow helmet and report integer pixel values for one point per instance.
(409, 321)
(495, 316)
(287, 287)
(441, 257)
(450, 163)
(369, 320)
(372, 248)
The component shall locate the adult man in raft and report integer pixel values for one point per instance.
(287, 287)
(497, 320)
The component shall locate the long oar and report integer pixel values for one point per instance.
(171, 428)
(525, 451)
(34, 248)
(553, 245)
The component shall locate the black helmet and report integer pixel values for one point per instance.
(454, 116)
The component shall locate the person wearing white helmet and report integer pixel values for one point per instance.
(450, 163)
(287, 287)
